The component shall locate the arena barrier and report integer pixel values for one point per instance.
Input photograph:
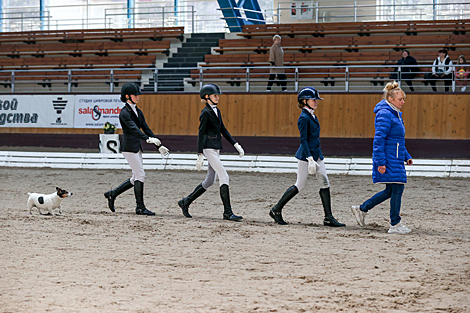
(249, 163)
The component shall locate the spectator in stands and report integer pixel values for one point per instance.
(462, 73)
(132, 121)
(407, 73)
(441, 70)
(276, 58)
(389, 157)
(309, 159)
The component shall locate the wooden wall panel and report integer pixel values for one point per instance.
(426, 116)
(455, 113)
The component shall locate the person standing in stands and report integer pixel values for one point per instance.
(135, 129)
(276, 59)
(388, 158)
(209, 144)
(309, 158)
(407, 73)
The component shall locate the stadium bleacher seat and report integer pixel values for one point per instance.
(340, 44)
(359, 28)
(116, 35)
(82, 49)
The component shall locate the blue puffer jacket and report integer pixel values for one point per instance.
(389, 145)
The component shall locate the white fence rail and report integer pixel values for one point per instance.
(267, 164)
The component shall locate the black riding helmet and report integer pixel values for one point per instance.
(308, 93)
(209, 89)
(130, 89)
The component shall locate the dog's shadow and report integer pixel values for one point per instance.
(49, 214)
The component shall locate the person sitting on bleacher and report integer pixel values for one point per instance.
(462, 73)
(407, 73)
(276, 59)
(441, 70)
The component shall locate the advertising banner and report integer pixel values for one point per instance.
(36, 111)
(93, 111)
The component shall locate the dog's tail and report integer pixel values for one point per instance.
(28, 193)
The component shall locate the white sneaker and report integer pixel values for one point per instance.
(463, 88)
(268, 90)
(359, 215)
(399, 229)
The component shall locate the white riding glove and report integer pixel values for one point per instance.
(154, 140)
(312, 166)
(164, 151)
(240, 150)
(199, 162)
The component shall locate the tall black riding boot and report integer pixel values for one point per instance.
(185, 202)
(225, 196)
(276, 211)
(139, 199)
(326, 201)
(112, 194)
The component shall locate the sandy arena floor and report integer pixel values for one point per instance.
(92, 260)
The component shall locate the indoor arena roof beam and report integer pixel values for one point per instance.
(231, 11)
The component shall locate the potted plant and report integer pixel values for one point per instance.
(109, 128)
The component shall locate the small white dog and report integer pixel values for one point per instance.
(48, 202)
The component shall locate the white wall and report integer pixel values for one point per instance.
(338, 11)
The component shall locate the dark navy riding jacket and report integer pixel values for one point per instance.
(309, 128)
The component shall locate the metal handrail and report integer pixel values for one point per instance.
(377, 7)
(242, 67)
(203, 75)
(163, 13)
(42, 17)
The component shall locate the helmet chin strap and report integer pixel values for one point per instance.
(209, 99)
(306, 104)
(130, 99)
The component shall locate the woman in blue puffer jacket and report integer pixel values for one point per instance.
(389, 158)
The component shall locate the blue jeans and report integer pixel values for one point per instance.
(392, 191)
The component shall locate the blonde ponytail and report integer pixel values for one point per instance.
(391, 89)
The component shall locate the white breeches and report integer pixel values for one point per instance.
(302, 175)
(215, 168)
(137, 165)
